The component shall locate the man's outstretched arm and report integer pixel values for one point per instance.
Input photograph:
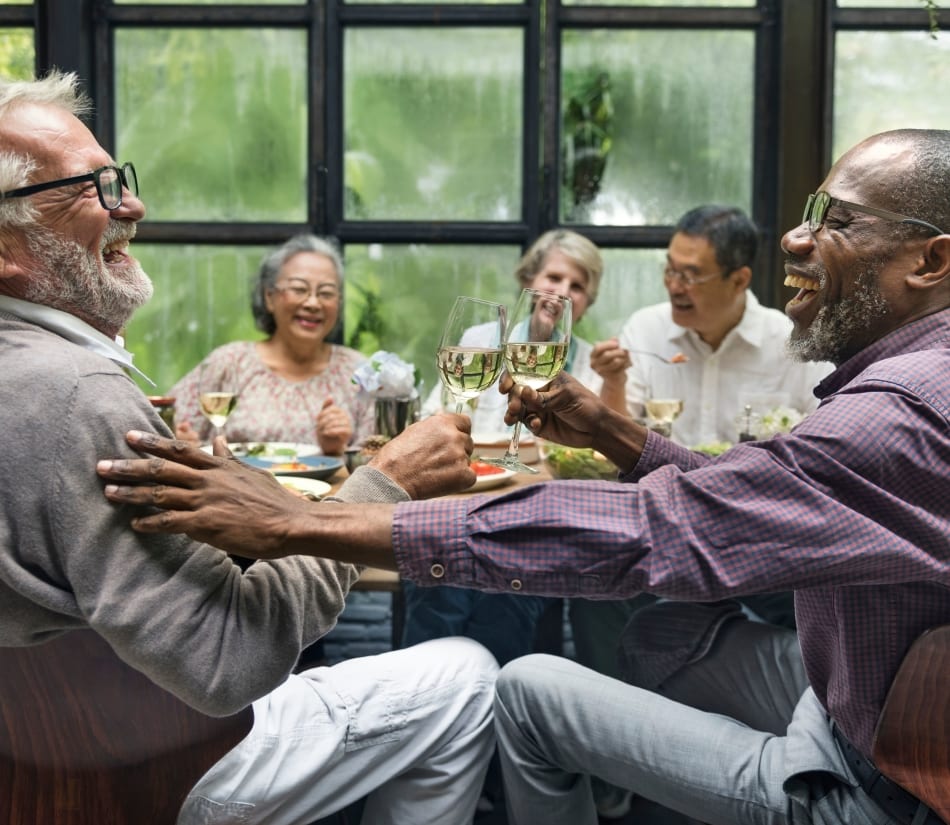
(245, 511)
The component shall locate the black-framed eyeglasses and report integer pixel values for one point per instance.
(687, 278)
(817, 206)
(109, 181)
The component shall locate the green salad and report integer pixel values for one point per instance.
(578, 462)
(713, 448)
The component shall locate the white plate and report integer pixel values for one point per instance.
(527, 448)
(275, 451)
(298, 484)
(490, 481)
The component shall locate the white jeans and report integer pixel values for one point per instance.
(412, 729)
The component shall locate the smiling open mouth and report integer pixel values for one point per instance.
(115, 252)
(807, 288)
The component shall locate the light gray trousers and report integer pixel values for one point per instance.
(759, 752)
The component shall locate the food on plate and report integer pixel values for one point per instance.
(713, 448)
(290, 467)
(483, 469)
(578, 463)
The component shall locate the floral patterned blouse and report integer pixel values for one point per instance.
(271, 408)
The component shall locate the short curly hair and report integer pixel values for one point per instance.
(273, 262)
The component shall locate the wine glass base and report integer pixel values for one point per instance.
(509, 463)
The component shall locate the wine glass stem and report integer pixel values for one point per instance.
(512, 451)
(459, 406)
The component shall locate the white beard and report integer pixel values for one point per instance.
(69, 278)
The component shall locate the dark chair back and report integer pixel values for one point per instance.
(912, 740)
(85, 739)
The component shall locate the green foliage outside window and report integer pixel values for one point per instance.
(16, 53)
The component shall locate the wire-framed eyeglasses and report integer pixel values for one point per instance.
(688, 278)
(818, 204)
(109, 181)
(300, 292)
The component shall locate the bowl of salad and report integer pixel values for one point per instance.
(576, 462)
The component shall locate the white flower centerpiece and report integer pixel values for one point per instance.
(392, 383)
(754, 426)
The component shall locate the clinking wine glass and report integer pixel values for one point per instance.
(536, 347)
(217, 394)
(469, 357)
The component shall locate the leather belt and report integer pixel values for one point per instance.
(886, 794)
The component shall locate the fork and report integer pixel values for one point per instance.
(678, 358)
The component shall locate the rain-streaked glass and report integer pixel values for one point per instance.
(216, 120)
(214, 2)
(632, 279)
(442, 2)
(434, 130)
(653, 134)
(202, 300)
(397, 296)
(880, 4)
(898, 93)
(716, 3)
(17, 54)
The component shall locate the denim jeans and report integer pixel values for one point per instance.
(558, 723)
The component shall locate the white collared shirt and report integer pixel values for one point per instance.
(750, 366)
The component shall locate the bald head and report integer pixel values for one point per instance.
(905, 170)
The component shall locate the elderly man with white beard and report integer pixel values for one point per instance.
(181, 612)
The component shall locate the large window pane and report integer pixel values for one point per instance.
(879, 4)
(675, 137)
(718, 3)
(434, 130)
(213, 2)
(215, 121)
(887, 80)
(632, 279)
(398, 296)
(442, 2)
(16, 53)
(202, 300)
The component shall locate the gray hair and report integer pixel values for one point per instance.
(580, 251)
(57, 89)
(274, 261)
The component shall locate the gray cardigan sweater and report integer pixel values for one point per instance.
(181, 612)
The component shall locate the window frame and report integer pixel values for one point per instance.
(791, 144)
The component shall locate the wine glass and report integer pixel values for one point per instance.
(662, 413)
(217, 394)
(536, 346)
(469, 357)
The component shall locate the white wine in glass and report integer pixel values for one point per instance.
(217, 395)
(536, 348)
(664, 411)
(469, 357)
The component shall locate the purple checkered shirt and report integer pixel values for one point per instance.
(851, 510)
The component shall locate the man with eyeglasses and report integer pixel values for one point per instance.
(734, 347)
(736, 356)
(850, 510)
(409, 730)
